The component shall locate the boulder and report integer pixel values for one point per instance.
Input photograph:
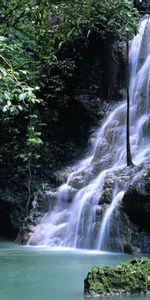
(127, 278)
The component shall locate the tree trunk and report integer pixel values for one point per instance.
(129, 157)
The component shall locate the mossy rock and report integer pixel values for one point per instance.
(126, 278)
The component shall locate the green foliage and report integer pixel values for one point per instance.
(32, 34)
(18, 85)
(33, 38)
(71, 19)
(33, 136)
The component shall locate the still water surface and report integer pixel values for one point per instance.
(28, 273)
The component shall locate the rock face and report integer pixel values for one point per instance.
(136, 201)
(135, 214)
(143, 6)
(12, 209)
(134, 238)
(14, 213)
(127, 278)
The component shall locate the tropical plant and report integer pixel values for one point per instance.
(35, 63)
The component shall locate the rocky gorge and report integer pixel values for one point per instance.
(100, 175)
(95, 205)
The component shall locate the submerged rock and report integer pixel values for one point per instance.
(127, 278)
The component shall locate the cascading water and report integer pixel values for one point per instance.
(105, 227)
(77, 219)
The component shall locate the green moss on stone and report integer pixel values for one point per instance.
(132, 277)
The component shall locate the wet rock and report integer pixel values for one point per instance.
(80, 179)
(100, 211)
(77, 182)
(61, 176)
(108, 188)
(136, 201)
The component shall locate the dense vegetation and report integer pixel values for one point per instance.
(42, 45)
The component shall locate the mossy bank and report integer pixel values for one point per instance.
(126, 278)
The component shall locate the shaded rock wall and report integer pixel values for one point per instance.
(135, 213)
(136, 201)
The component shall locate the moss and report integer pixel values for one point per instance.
(132, 277)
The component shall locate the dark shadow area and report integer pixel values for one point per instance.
(6, 229)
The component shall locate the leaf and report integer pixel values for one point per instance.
(2, 38)
(25, 72)
(20, 107)
(70, 34)
(22, 97)
(5, 108)
(8, 103)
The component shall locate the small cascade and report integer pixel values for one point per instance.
(103, 241)
(87, 203)
(83, 214)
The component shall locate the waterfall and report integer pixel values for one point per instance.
(104, 236)
(87, 202)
